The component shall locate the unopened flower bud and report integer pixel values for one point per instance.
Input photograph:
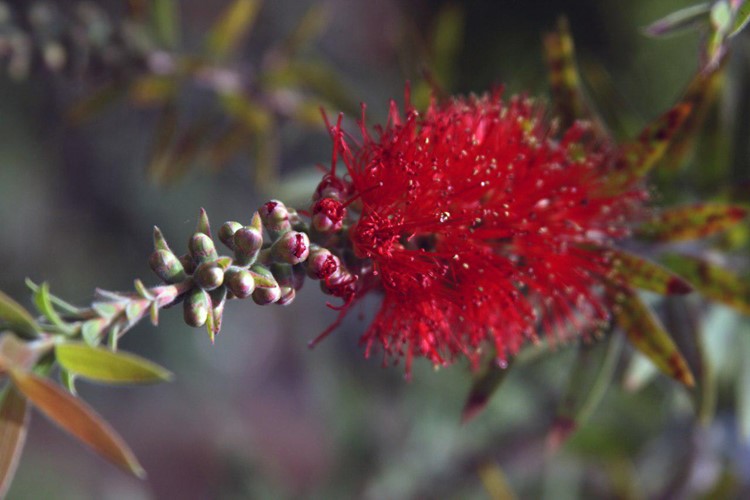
(291, 248)
(226, 233)
(167, 266)
(267, 290)
(285, 278)
(240, 282)
(187, 263)
(196, 307)
(209, 275)
(247, 243)
(328, 215)
(321, 263)
(275, 217)
(202, 248)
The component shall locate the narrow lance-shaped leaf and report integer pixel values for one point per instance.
(691, 17)
(712, 281)
(639, 272)
(16, 317)
(482, 389)
(232, 27)
(593, 369)
(639, 157)
(691, 222)
(647, 335)
(447, 36)
(102, 365)
(14, 424)
(567, 93)
(77, 418)
(741, 17)
(495, 482)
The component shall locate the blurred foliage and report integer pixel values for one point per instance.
(140, 57)
(588, 421)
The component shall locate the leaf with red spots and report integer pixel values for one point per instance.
(639, 272)
(645, 333)
(592, 373)
(691, 222)
(637, 158)
(569, 100)
(713, 281)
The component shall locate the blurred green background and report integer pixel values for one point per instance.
(258, 415)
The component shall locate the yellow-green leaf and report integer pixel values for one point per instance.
(691, 222)
(16, 317)
(647, 335)
(14, 424)
(741, 18)
(150, 90)
(102, 365)
(43, 302)
(78, 419)
(712, 281)
(568, 97)
(639, 272)
(232, 27)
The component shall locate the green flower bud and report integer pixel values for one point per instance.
(203, 225)
(291, 248)
(209, 275)
(267, 290)
(247, 243)
(226, 233)
(275, 217)
(196, 307)
(167, 266)
(284, 275)
(187, 263)
(240, 282)
(202, 248)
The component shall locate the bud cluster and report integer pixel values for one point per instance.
(269, 261)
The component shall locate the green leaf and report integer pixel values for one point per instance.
(642, 273)
(16, 317)
(691, 222)
(153, 90)
(647, 335)
(43, 303)
(78, 419)
(102, 365)
(691, 17)
(309, 27)
(166, 22)
(68, 380)
(593, 370)
(712, 281)
(447, 40)
(482, 389)
(14, 425)
(741, 18)
(232, 27)
(65, 307)
(92, 330)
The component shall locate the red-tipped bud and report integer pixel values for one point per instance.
(321, 263)
(291, 248)
(328, 215)
(275, 217)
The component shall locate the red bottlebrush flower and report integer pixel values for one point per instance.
(480, 225)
